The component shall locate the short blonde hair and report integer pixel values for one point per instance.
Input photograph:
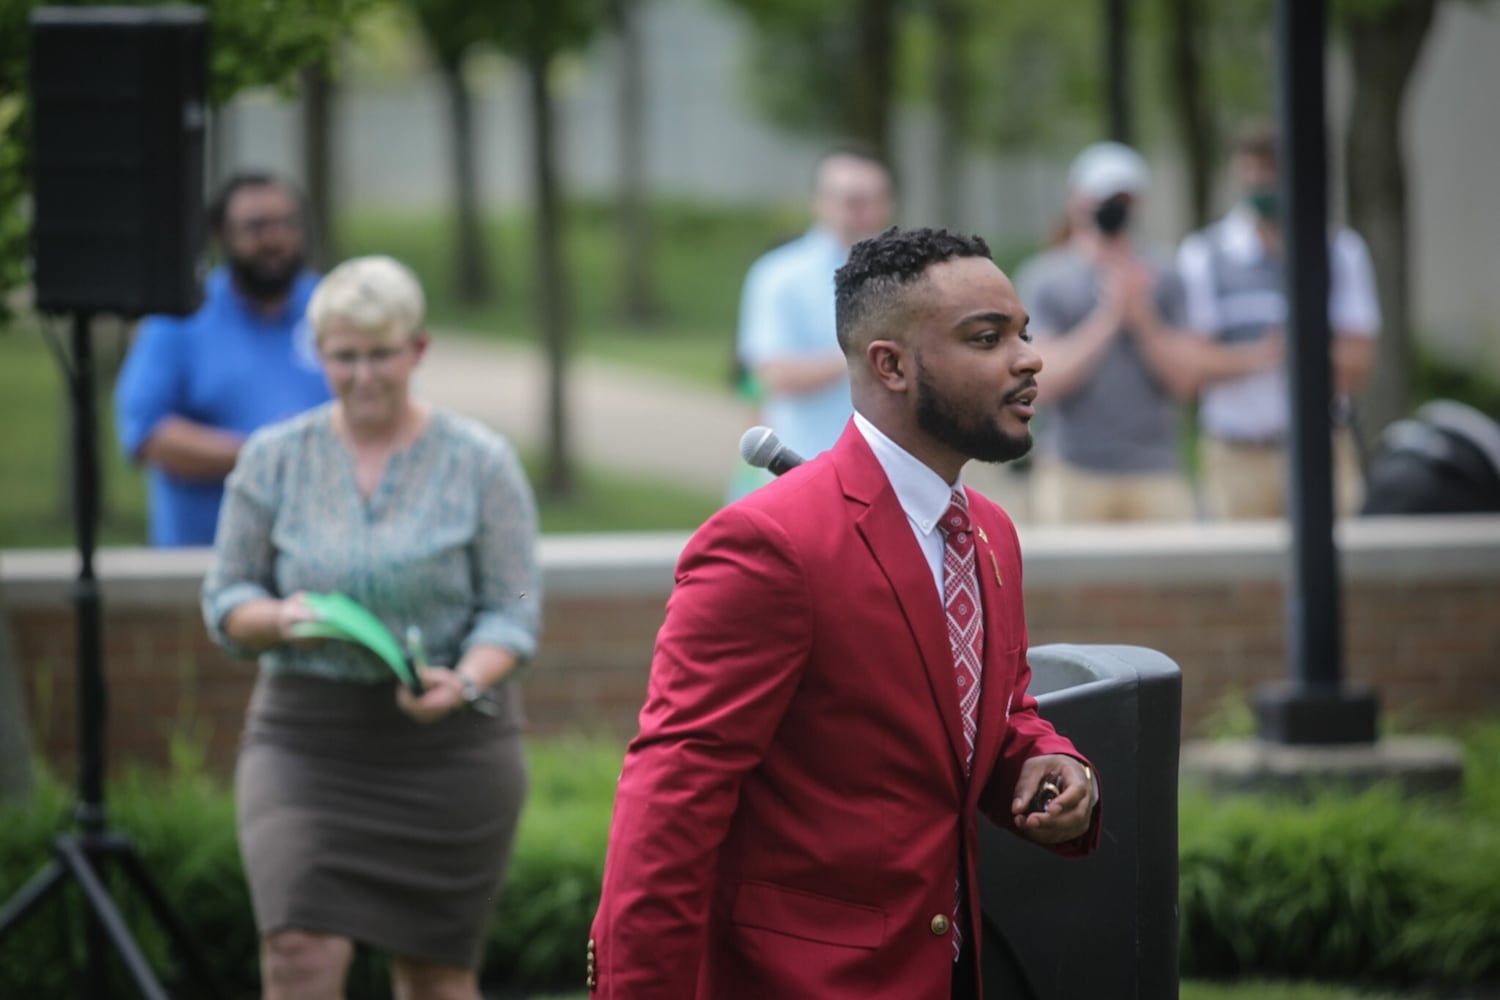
(376, 295)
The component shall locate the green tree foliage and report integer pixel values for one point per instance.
(828, 68)
(251, 44)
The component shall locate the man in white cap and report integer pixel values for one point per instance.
(1108, 316)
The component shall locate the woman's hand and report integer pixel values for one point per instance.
(443, 696)
(290, 611)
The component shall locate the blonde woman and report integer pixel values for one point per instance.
(367, 814)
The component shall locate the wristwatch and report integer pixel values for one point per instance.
(476, 698)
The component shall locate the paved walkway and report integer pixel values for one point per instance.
(623, 418)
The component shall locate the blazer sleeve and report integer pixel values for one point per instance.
(1029, 735)
(727, 662)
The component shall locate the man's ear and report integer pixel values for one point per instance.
(889, 363)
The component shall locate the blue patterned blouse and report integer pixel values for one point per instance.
(447, 541)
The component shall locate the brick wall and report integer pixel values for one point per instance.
(1421, 604)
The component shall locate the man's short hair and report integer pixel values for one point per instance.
(1256, 139)
(855, 150)
(882, 269)
(218, 208)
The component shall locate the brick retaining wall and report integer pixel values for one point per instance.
(1421, 609)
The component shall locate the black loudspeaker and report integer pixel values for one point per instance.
(1105, 926)
(119, 109)
(1444, 459)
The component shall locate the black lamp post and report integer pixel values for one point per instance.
(1315, 706)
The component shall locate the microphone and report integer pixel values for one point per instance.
(760, 447)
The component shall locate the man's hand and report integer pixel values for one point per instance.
(1066, 816)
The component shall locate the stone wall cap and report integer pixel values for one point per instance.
(1407, 549)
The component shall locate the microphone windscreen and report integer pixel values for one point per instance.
(758, 446)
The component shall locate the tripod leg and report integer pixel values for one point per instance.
(142, 880)
(97, 896)
(31, 894)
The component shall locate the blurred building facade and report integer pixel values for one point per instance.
(707, 143)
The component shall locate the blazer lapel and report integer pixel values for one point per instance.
(995, 696)
(883, 526)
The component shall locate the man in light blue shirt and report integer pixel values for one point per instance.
(194, 387)
(786, 335)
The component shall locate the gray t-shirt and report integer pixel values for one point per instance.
(1121, 419)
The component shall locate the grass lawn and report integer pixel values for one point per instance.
(700, 258)
(35, 456)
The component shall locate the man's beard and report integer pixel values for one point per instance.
(978, 439)
(264, 282)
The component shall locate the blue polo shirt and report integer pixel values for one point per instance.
(226, 366)
(786, 312)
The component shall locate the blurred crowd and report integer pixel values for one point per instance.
(1163, 393)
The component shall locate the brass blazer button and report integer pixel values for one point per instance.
(940, 924)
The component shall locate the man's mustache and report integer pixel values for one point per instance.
(1026, 386)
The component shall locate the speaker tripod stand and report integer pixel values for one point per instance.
(86, 854)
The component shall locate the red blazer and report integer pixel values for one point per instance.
(790, 818)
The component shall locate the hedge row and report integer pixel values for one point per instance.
(1373, 887)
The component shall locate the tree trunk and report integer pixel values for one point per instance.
(1190, 103)
(1116, 40)
(317, 165)
(950, 88)
(471, 271)
(638, 300)
(550, 276)
(1383, 51)
(870, 111)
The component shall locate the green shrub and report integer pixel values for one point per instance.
(1373, 887)
(183, 828)
(1438, 377)
(1347, 887)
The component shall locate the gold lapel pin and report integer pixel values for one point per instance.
(994, 564)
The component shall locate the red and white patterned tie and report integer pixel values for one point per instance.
(966, 636)
(965, 620)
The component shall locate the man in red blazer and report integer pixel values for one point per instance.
(797, 818)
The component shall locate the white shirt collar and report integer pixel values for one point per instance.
(921, 492)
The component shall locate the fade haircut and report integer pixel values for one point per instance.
(882, 269)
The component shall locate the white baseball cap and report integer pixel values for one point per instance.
(1106, 169)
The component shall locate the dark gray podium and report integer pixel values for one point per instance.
(1057, 929)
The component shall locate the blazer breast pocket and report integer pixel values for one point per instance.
(809, 916)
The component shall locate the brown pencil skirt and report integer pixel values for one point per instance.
(356, 821)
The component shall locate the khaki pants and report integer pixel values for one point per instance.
(1066, 494)
(1245, 481)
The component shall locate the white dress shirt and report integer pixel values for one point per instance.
(922, 493)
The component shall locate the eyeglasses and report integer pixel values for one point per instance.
(377, 357)
(265, 223)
